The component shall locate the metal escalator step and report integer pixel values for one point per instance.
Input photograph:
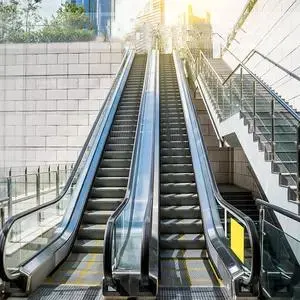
(122, 133)
(179, 199)
(91, 231)
(181, 226)
(118, 147)
(110, 181)
(180, 212)
(182, 241)
(174, 137)
(96, 216)
(108, 204)
(108, 192)
(179, 187)
(174, 144)
(123, 127)
(175, 151)
(177, 177)
(176, 168)
(115, 163)
(88, 246)
(180, 159)
(183, 254)
(112, 172)
(117, 154)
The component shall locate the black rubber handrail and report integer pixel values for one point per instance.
(109, 232)
(9, 223)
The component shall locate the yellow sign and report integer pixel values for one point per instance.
(237, 238)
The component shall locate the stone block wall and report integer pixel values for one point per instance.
(50, 95)
(219, 157)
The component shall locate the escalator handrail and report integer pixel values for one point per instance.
(255, 77)
(4, 233)
(109, 232)
(244, 219)
(146, 237)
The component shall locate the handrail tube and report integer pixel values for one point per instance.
(254, 51)
(267, 88)
(108, 236)
(279, 209)
(7, 226)
(248, 223)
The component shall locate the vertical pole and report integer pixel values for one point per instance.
(241, 89)
(298, 162)
(2, 216)
(57, 181)
(217, 97)
(230, 99)
(38, 192)
(262, 233)
(26, 181)
(49, 176)
(254, 106)
(9, 193)
(225, 223)
(273, 128)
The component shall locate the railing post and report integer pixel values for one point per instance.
(262, 214)
(273, 128)
(241, 89)
(57, 181)
(254, 106)
(49, 177)
(217, 96)
(2, 216)
(230, 96)
(298, 162)
(9, 194)
(225, 223)
(26, 181)
(38, 187)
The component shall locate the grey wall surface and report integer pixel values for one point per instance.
(50, 95)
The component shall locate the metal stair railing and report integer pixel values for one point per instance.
(245, 93)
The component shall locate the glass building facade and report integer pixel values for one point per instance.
(101, 13)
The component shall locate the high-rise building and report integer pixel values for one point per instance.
(101, 14)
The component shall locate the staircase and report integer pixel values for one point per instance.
(183, 257)
(282, 154)
(110, 183)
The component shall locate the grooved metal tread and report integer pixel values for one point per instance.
(192, 293)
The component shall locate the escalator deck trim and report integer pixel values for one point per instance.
(191, 293)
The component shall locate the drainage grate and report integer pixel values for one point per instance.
(192, 293)
(65, 292)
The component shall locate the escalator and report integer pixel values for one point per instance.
(196, 261)
(79, 215)
(109, 186)
(183, 256)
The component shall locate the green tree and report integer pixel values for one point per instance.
(10, 20)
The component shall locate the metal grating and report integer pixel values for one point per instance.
(192, 293)
(65, 292)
